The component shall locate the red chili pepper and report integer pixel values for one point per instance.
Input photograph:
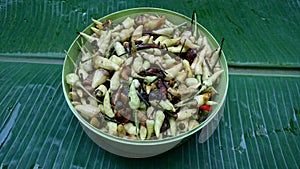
(205, 107)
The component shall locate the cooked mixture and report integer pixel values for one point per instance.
(144, 78)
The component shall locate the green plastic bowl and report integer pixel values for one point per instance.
(147, 148)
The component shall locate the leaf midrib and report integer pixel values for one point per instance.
(255, 69)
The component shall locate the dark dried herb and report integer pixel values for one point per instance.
(144, 97)
(166, 125)
(190, 55)
(147, 46)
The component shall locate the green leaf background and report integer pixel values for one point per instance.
(259, 129)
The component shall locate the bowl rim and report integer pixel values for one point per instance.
(147, 142)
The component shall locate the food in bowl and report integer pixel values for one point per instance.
(144, 78)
